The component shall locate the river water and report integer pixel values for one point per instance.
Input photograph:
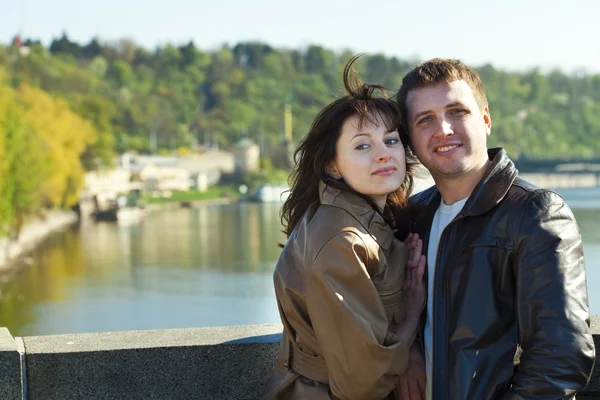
(206, 266)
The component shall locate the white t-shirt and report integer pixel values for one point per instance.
(443, 215)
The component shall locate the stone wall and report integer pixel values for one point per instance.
(230, 363)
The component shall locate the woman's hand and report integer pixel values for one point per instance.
(414, 287)
(413, 381)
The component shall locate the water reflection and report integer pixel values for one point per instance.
(206, 266)
(43, 281)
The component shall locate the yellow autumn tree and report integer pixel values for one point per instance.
(4, 202)
(22, 165)
(65, 136)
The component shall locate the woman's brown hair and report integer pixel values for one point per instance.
(317, 149)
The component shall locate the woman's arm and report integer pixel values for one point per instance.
(364, 359)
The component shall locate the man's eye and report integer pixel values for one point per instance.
(391, 141)
(423, 120)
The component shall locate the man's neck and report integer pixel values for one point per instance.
(458, 188)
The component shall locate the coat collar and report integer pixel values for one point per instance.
(361, 210)
(495, 184)
(490, 191)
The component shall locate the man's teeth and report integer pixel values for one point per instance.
(446, 148)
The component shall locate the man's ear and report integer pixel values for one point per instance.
(487, 119)
(333, 171)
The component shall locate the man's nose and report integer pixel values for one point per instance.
(444, 128)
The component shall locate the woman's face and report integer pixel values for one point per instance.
(370, 159)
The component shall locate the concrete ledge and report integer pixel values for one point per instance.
(202, 363)
(10, 367)
(231, 362)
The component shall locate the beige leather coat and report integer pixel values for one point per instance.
(339, 286)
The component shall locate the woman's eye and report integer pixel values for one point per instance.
(362, 147)
(391, 141)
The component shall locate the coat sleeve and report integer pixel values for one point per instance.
(552, 306)
(364, 359)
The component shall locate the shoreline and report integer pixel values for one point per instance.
(38, 230)
(32, 235)
(191, 203)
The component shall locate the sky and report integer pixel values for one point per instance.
(515, 35)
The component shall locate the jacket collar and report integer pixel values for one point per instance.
(495, 184)
(361, 210)
(492, 188)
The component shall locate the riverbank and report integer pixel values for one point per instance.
(32, 235)
(35, 232)
(192, 203)
(211, 194)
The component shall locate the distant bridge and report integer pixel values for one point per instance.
(558, 165)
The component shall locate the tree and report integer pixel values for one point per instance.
(172, 93)
(23, 168)
(65, 136)
(92, 49)
(99, 112)
(65, 46)
(120, 72)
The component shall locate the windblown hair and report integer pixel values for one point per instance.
(438, 70)
(317, 150)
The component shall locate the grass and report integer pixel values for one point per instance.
(214, 192)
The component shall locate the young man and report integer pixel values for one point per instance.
(506, 273)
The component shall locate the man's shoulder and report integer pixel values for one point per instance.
(532, 193)
(526, 198)
(523, 184)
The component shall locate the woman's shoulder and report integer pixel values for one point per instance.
(331, 226)
(322, 228)
(334, 220)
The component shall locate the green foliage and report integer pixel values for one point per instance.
(72, 106)
(213, 192)
(65, 136)
(175, 96)
(24, 169)
(99, 112)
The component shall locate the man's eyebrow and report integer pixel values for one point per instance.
(453, 104)
(420, 115)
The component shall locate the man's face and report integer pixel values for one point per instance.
(447, 129)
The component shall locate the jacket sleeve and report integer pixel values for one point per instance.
(552, 306)
(364, 359)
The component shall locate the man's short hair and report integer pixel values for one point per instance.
(435, 71)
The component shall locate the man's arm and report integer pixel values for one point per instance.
(552, 305)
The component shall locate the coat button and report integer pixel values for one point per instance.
(286, 364)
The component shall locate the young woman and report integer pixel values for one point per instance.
(349, 305)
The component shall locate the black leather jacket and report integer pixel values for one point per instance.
(510, 272)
